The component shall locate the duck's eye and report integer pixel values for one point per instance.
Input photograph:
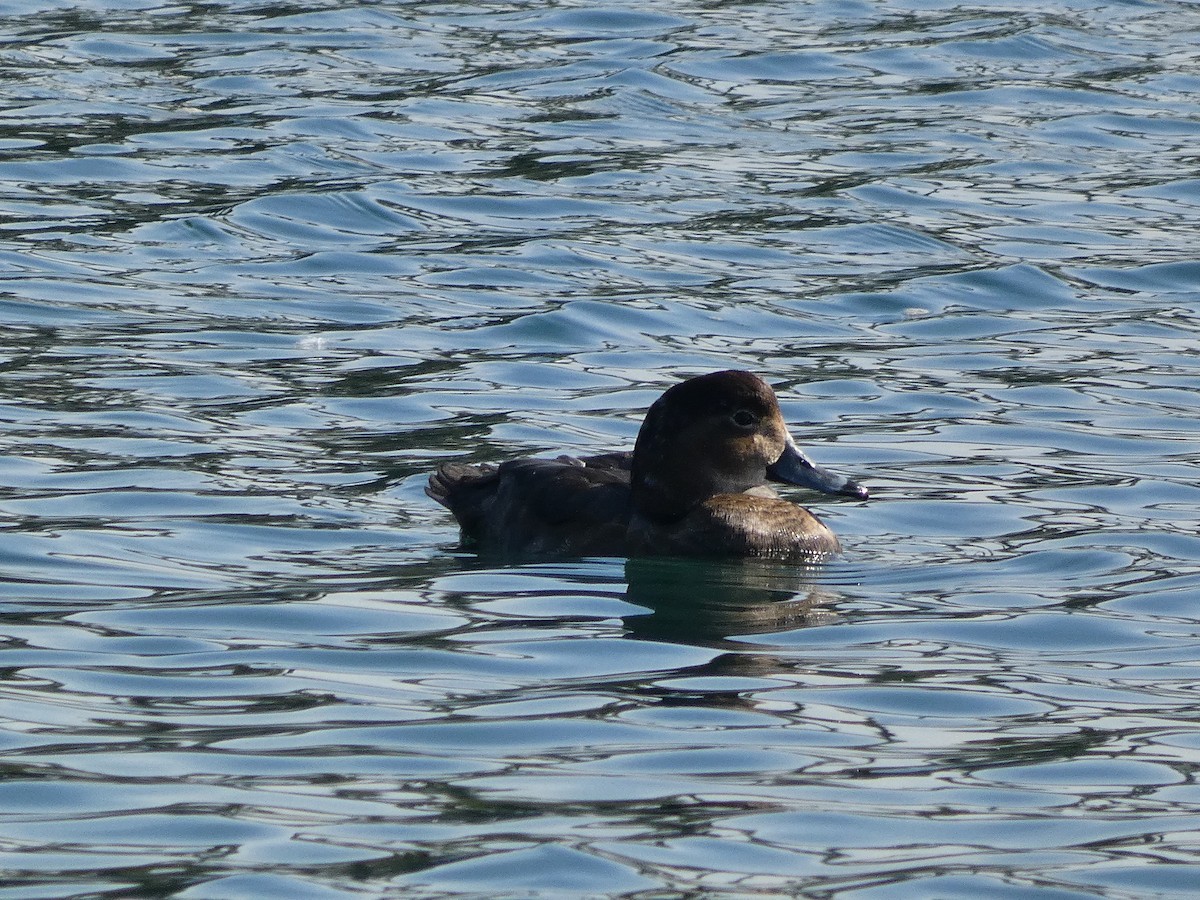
(743, 418)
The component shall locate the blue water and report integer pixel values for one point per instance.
(262, 265)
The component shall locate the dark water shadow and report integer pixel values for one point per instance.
(681, 600)
(707, 602)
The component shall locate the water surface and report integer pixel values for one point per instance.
(261, 266)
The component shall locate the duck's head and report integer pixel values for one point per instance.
(721, 433)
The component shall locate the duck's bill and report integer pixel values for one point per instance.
(793, 467)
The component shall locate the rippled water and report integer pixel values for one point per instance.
(261, 265)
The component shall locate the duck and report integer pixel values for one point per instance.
(696, 484)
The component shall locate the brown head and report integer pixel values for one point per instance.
(721, 433)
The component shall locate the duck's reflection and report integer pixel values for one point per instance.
(702, 601)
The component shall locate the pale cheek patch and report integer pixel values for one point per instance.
(767, 448)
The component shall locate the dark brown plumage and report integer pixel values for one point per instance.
(695, 485)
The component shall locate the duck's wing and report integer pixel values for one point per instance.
(539, 507)
(613, 461)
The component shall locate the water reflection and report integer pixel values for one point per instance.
(706, 602)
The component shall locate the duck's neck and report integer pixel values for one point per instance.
(668, 494)
(662, 498)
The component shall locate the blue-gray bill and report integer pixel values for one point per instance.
(793, 467)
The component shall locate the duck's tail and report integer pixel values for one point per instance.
(464, 489)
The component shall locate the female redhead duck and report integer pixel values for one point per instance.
(694, 485)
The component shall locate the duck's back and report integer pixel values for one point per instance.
(539, 507)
